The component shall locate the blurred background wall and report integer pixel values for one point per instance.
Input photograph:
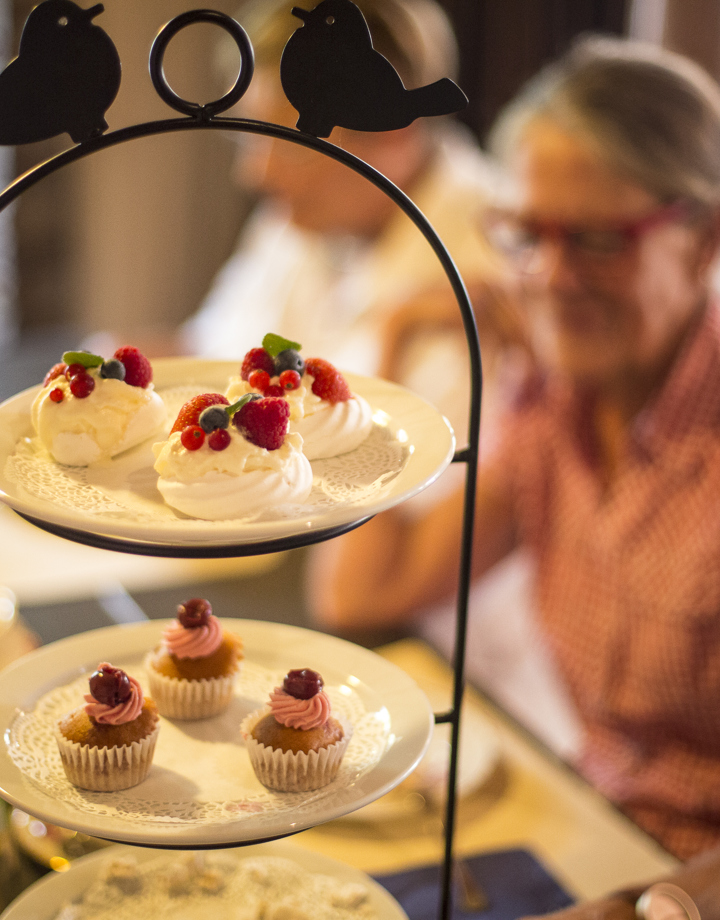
(129, 240)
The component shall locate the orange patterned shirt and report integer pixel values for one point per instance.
(629, 589)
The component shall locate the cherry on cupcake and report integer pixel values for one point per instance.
(303, 683)
(110, 685)
(194, 613)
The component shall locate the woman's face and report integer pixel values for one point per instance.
(598, 317)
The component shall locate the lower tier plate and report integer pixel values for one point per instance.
(44, 899)
(201, 790)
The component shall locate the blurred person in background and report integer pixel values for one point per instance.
(330, 261)
(608, 470)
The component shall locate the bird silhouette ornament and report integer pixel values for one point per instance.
(333, 76)
(65, 77)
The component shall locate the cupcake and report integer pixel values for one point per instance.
(295, 745)
(192, 672)
(108, 744)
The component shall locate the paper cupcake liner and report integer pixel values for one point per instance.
(189, 699)
(285, 771)
(107, 769)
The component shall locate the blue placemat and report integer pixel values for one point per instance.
(515, 883)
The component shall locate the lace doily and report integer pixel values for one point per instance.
(201, 773)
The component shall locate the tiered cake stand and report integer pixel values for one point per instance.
(195, 798)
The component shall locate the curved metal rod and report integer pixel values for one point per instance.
(157, 55)
(469, 455)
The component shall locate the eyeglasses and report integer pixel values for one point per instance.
(520, 238)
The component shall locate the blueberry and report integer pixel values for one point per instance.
(213, 417)
(289, 360)
(113, 369)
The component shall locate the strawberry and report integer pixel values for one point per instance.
(257, 359)
(329, 383)
(57, 370)
(138, 370)
(264, 422)
(189, 414)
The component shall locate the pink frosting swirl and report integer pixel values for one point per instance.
(198, 642)
(303, 714)
(120, 714)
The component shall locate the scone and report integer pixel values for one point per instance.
(331, 419)
(89, 409)
(296, 745)
(226, 461)
(192, 672)
(108, 744)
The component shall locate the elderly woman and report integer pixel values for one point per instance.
(610, 466)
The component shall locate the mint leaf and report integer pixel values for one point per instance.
(82, 357)
(274, 344)
(237, 406)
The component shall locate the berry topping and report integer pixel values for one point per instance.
(273, 390)
(303, 684)
(219, 439)
(257, 359)
(72, 370)
(190, 413)
(289, 360)
(194, 613)
(110, 685)
(264, 422)
(213, 417)
(57, 370)
(57, 395)
(259, 380)
(82, 385)
(138, 370)
(329, 383)
(290, 380)
(112, 369)
(192, 437)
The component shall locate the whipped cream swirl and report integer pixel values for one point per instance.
(197, 642)
(302, 714)
(120, 714)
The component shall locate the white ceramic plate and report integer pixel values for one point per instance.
(201, 790)
(410, 445)
(43, 900)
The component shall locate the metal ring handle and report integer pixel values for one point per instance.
(157, 55)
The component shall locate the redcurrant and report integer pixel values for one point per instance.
(219, 439)
(192, 437)
(290, 380)
(57, 395)
(259, 380)
(82, 385)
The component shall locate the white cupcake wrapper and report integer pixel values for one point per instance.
(107, 769)
(189, 699)
(285, 771)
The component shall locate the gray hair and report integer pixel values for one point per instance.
(652, 115)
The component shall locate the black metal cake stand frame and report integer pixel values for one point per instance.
(207, 118)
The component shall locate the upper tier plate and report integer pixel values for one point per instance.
(201, 790)
(116, 504)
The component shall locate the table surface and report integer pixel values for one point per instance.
(540, 805)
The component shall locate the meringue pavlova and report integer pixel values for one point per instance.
(225, 461)
(90, 409)
(331, 419)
